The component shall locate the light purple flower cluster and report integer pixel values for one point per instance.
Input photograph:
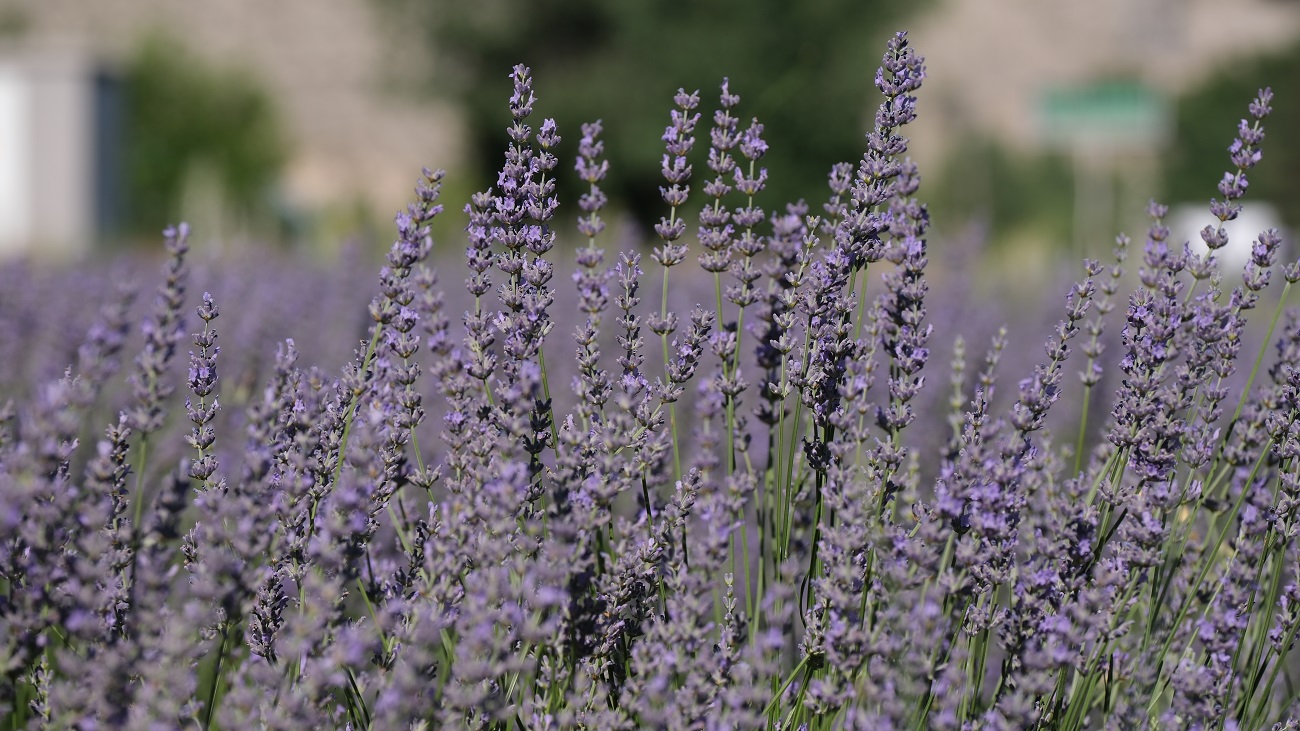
(758, 523)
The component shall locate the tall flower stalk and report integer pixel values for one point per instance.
(762, 525)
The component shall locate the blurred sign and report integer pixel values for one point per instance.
(1103, 117)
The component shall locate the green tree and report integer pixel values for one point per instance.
(1009, 192)
(1198, 154)
(181, 116)
(804, 69)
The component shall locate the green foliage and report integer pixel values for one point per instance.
(1198, 153)
(186, 118)
(804, 69)
(1009, 192)
(14, 23)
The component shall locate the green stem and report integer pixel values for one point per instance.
(1083, 429)
(137, 513)
(216, 677)
(546, 394)
(356, 397)
(663, 338)
(1264, 702)
(1259, 358)
(776, 695)
(1210, 553)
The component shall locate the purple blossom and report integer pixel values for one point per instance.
(764, 521)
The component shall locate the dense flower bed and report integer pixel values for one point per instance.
(756, 512)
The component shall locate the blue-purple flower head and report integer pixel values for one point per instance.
(548, 136)
(590, 166)
(904, 68)
(752, 145)
(678, 136)
(1245, 154)
(522, 98)
(176, 235)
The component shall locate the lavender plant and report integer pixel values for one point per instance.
(756, 522)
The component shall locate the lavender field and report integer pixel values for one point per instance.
(771, 469)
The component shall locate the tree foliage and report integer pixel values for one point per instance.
(182, 116)
(1198, 154)
(804, 69)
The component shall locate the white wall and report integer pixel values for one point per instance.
(15, 161)
(47, 161)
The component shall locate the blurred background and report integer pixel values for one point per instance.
(1045, 125)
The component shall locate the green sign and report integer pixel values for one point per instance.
(1107, 115)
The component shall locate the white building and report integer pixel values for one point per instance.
(57, 148)
(342, 75)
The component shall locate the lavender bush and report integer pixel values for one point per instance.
(730, 497)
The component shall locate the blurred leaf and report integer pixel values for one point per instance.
(1010, 193)
(182, 115)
